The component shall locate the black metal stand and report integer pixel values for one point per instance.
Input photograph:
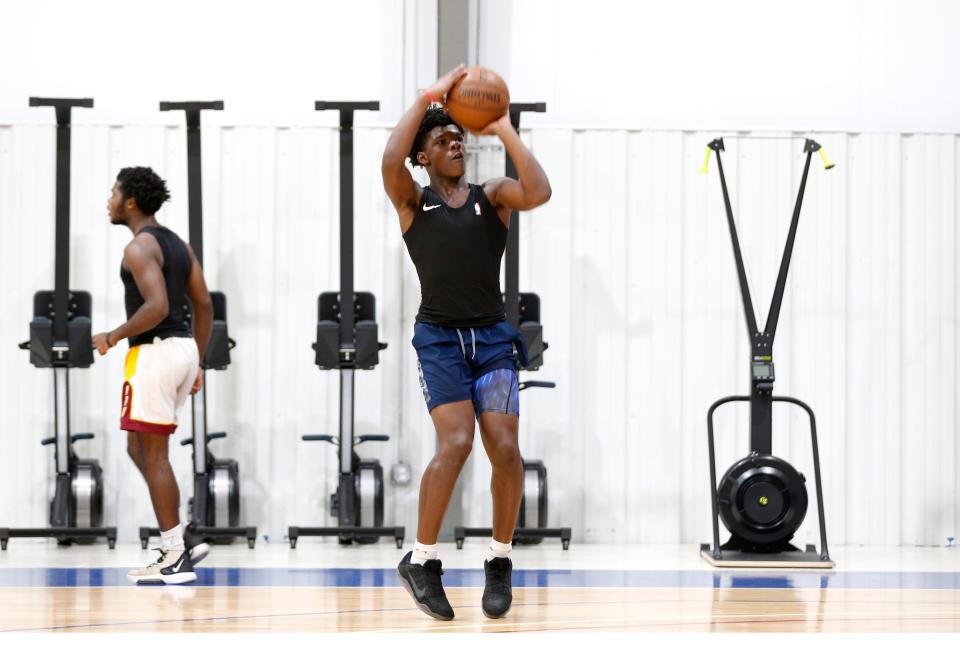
(523, 313)
(347, 341)
(740, 551)
(206, 533)
(64, 535)
(215, 505)
(60, 338)
(563, 533)
(347, 534)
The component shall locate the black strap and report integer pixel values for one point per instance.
(511, 261)
(346, 109)
(762, 342)
(61, 288)
(194, 170)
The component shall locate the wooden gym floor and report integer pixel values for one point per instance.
(590, 588)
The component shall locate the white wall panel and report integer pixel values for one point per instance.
(838, 65)
(267, 61)
(632, 261)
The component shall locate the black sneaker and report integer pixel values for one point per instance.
(194, 543)
(423, 584)
(173, 567)
(498, 592)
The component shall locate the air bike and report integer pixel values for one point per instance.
(60, 338)
(761, 498)
(523, 313)
(347, 342)
(214, 510)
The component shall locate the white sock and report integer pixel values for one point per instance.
(423, 553)
(498, 550)
(172, 539)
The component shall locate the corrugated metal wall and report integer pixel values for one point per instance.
(633, 264)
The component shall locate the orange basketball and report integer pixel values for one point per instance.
(478, 99)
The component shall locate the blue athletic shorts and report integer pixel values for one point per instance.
(476, 363)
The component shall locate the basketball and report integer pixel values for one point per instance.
(478, 99)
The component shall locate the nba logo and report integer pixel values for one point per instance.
(476, 207)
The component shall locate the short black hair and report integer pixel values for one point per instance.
(435, 117)
(144, 186)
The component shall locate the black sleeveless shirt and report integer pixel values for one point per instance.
(457, 253)
(177, 266)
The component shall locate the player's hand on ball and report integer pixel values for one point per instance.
(496, 127)
(444, 84)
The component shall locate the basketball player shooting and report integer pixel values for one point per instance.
(467, 352)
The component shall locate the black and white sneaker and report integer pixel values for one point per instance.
(173, 567)
(498, 592)
(423, 584)
(194, 543)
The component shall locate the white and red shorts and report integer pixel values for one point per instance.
(158, 377)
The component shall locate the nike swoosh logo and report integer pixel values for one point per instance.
(430, 207)
(416, 587)
(176, 568)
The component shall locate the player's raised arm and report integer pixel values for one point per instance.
(402, 190)
(532, 189)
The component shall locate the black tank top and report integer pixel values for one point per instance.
(457, 254)
(177, 265)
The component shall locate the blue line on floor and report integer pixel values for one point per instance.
(363, 577)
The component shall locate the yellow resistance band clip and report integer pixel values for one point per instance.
(827, 164)
(706, 160)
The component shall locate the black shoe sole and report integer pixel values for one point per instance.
(496, 617)
(422, 607)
